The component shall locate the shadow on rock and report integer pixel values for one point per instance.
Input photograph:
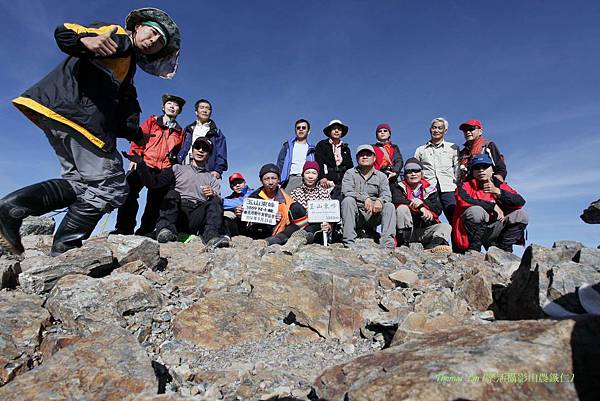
(586, 354)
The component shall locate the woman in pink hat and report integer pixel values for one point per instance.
(310, 190)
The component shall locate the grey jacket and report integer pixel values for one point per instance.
(188, 180)
(375, 186)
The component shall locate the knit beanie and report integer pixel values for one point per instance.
(269, 168)
(383, 125)
(311, 165)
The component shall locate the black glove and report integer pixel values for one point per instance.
(135, 158)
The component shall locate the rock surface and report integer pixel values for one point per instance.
(33, 225)
(23, 319)
(9, 271)
(104, 366)
(85, 304)
(546, 275)
(504, 360)
(258, 322)
(41, 273)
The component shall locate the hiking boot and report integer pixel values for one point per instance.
(33, 200)
(222, 241)
(76, 226)
(278, 239)
(165, 235)
(438, 245)
(310, 237)
(475, 233)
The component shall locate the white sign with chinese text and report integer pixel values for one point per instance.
(260, 211)
(323, 211)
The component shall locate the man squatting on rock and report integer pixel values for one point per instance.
(193, 203)
(488, 212)
(82, 106)
(291, 216)
(418, 209)
(367, 200)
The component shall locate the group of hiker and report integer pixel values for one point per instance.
(396, 202)
(182, 169)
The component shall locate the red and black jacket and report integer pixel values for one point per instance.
(402, 195)
(469, 193)
(396, 158)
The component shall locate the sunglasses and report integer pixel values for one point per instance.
(412, 171)
(481, 166)
(469, 128)
(202, 147)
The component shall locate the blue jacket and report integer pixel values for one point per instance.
(231, 202)
(284, 160)
(218, 158)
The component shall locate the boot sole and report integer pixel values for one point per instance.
(9, 246)
(441, 249)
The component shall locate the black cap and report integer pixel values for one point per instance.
(168, 97)
(203, 141)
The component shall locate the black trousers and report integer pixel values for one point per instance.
(198, 218)
(127, 213)
(234, 227)
(265, 231)
(448, 201)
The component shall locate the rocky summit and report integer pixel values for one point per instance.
(126, 318)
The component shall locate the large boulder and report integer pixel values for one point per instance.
(591, 215)
(224, 319)
(40, 273)
(9, 271)
(107, 365)
(328, 290)
(86, 304)
(21, 323)
(131, 248)
(545, 276)
(521, 360)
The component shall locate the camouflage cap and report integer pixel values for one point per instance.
(173, 44)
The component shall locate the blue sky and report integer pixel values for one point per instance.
(527, 69)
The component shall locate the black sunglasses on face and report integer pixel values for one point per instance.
(412, 171)
(469, 128)
(202, 147)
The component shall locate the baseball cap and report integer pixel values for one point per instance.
(365, 147)
(202, 141)
(470, 123)
(481, 159)
(236, 176)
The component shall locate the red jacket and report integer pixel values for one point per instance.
(393, 153)
(166, 141)
(469, 194)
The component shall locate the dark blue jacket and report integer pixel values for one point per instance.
(218, 158)
(284, 160)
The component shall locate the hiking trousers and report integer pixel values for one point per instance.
(193, 217)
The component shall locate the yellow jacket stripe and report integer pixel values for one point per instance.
(80, 29)
(24, 104)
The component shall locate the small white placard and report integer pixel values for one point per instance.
(260, 211)
(323, 211)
